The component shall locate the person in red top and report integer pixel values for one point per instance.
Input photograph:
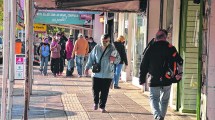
(69, 49)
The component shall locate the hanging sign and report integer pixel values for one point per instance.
(40, 27)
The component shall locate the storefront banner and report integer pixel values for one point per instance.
(54, 17)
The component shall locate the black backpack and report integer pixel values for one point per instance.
(173, 66)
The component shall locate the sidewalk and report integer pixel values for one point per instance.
(64, 98)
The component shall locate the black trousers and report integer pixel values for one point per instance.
(101, 86)
(62, 60)
(55, 65)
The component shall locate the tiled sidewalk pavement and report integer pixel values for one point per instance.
(64, 98)
(73, 107)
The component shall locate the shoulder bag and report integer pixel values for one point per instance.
(97, 66)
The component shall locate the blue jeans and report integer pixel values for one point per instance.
(70, 64)
(79, 64)
(44, 64)
(159, 98)
(117, 72)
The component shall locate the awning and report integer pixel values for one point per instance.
(94, 5)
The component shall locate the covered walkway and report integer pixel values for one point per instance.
(64, 98)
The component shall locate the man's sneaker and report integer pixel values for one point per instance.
(60, 73)
(95, 106)
(103, 110)
(159, 118)
(54, 74)
(117, 87)
(79, 76)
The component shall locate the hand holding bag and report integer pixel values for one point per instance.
(97, 66)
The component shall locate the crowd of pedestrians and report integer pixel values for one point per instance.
(61, 50)
(106, 60)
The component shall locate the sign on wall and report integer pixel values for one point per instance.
(37, 27)
(40, 27)
(19, 66)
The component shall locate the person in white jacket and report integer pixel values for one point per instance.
(103, 78)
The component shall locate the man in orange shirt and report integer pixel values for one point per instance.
(80, 51)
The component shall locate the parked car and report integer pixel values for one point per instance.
(1, 50)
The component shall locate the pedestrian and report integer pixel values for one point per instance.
(119, 44)
(62, 42)
(153, 66)
(70, 61)
(86, 57)
(91, 44)
(45, 52)
(80, 51)
(49, 41)
(103, 55)
(55, 56)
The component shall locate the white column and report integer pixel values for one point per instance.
(6, 32)
(105, 22)
(97, 29)
(211, 65)
(71, 31)
(12, 53)
(175, 41)
(154, 15)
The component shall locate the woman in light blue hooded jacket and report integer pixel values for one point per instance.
(102, 79)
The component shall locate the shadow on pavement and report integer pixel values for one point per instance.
(40, 112)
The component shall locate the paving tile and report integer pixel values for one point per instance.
(61, 98)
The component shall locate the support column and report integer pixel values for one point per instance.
(6, 32)
(12, 53)
(71, 31)
(116, 19)
(105, 22)
(210, 104)
(28, 52)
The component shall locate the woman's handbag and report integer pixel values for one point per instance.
(97, 66)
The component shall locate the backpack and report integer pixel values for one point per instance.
(173, 66)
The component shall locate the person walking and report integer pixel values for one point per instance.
(91, 44)
(79, 52)
(62, 42)
(69, 49)
(45, 52)
(103, 55)
(153, 64)
(55, 56)
(118, 67)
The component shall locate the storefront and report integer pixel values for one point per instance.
(134, 27)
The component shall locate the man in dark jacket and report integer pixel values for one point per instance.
(62, 42)
(118, 67)
(91, 43)
(153, 64)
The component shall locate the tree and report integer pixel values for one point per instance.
(53, 30)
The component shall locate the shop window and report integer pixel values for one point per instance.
(139, 45)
